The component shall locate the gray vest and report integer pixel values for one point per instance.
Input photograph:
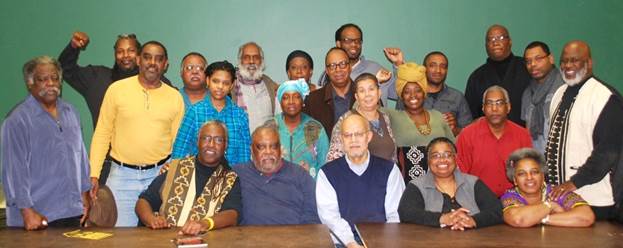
(433, 199)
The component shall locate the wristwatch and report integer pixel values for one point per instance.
(545, 220)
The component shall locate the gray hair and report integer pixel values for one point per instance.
(268, 125)
(218, 123)
(29, 68)
(246, 44)
(494, 88)
(524, 153)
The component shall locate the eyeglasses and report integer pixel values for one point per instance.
(349, 41)
(126, 36)
(442, 155)
(496, 103)
(500, 38)
(194, 67)
(334, 66)
(536, 59)
(357, 135)
(217, 139)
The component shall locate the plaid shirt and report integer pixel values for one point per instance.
(234, 117)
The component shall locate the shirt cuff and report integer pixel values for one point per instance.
(21, 203)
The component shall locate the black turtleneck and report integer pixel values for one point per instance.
(501, 66)
(202, 174)
(509, 73)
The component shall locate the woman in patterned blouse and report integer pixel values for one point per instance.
(530, 202)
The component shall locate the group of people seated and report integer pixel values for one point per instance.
(233, 147)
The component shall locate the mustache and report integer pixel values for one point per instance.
(252, 71)
(45, 91)
(266, 157)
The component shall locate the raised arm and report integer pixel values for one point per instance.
(72, 72)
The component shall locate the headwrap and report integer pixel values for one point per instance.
(299, 86)
(411, 73)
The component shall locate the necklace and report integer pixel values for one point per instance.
(374, 119)
(446, 192)
(424, 129)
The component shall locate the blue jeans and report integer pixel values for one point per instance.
(126, 185)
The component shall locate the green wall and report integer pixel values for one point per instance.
(217, 28)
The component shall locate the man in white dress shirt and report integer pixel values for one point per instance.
(357, 187)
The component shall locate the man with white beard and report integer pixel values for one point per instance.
(253, 91)
(585, 136)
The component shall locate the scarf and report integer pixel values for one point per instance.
(241, 80)
(179, 189)
(533, 109)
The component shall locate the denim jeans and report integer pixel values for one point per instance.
(126, 185)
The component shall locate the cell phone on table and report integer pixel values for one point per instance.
(189, 242)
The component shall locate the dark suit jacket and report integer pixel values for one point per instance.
(319, 105)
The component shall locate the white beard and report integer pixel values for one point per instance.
(251, 72)
(579, 76)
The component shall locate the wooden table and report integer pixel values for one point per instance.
(247, 236)
(602, 234)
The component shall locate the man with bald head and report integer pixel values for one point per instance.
(358, 187)
(585, 138)
(335, 98)
(501, 68)
(274, 191)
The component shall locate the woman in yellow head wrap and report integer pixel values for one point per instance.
(415, 127)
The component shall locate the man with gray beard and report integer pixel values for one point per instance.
(44, 161)
(253, 91)
(274, 191)
(585, 138)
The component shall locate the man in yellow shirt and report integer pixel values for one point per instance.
(138, 120)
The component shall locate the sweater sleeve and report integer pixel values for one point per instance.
(73, 74)
(489, 205)
(474, 100)
(103, 133)
(607, 143)
(411, 208)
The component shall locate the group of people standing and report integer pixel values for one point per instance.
(528, 143)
